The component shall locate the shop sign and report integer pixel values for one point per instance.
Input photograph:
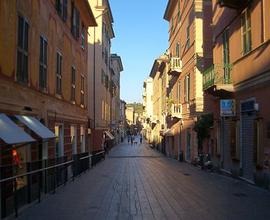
(227, 107)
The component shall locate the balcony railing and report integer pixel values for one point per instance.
(217, 74)
(176, 110)
(176, 64)
(236, 4)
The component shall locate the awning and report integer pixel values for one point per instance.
(109, 134)
(36, 126)
(169, 132)
(11, 133)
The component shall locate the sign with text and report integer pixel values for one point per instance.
(227, 107)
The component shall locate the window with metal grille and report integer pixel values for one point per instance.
(43, 63)
(22, 50)
(59, 73)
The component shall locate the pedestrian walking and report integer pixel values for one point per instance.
(132, 139)
(140, 139)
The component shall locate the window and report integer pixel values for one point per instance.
(246, 31)
(61, 8)
(59, 141)
(226, 56)
(59, 73)
(22, 50)
(177, 50)
(82, 139)
(179, 92)
(103, 77)
(179, 13)
(106, 56)
(43, 63)
(73, 138)
(226, 51)
(102, 111)
(83, 37)
(172, 25)
(187, 88)
(82, 90)
(188, 36)
(106, 81)
(75, 22)
(73, 83)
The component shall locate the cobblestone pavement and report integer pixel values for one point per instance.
(136, 182)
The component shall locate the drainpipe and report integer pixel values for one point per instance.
(94, 79)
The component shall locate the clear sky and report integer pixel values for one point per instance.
(141, 35)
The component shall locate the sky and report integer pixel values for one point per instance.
(141, 35)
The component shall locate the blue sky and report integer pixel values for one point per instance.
(141, 35)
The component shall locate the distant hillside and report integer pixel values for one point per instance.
(138, 107)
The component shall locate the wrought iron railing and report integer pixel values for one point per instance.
(217, 74)
(40, 177)
(176, 110)
(176, 64)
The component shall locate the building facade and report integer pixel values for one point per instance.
(43, 81)
(147, 108)
(99, 50)
(116, 68)
(122, 122)
(189, 54)
(239, 85)
(130, 115)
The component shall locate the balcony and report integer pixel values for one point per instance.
(235, 4)
(176, 110)
(217, 80)
(175, 65)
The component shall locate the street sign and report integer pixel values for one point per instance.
(227, 107)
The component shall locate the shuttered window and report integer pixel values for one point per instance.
(75, 22)
(73, 83)
(246, 31)
(22, 50)
(59, 73)
(61, 8)
(43, 64)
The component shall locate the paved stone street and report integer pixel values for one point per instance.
(135, 182)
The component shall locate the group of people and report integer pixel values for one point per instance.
(132, 139)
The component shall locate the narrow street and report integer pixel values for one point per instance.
(136, 182)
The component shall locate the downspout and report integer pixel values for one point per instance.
(94, 79)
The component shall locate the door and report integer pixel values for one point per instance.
(73, 136)
(59, 141)
(188, 140)
(226, 144)
(82, 139)
(247, 144)
(179, 147)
